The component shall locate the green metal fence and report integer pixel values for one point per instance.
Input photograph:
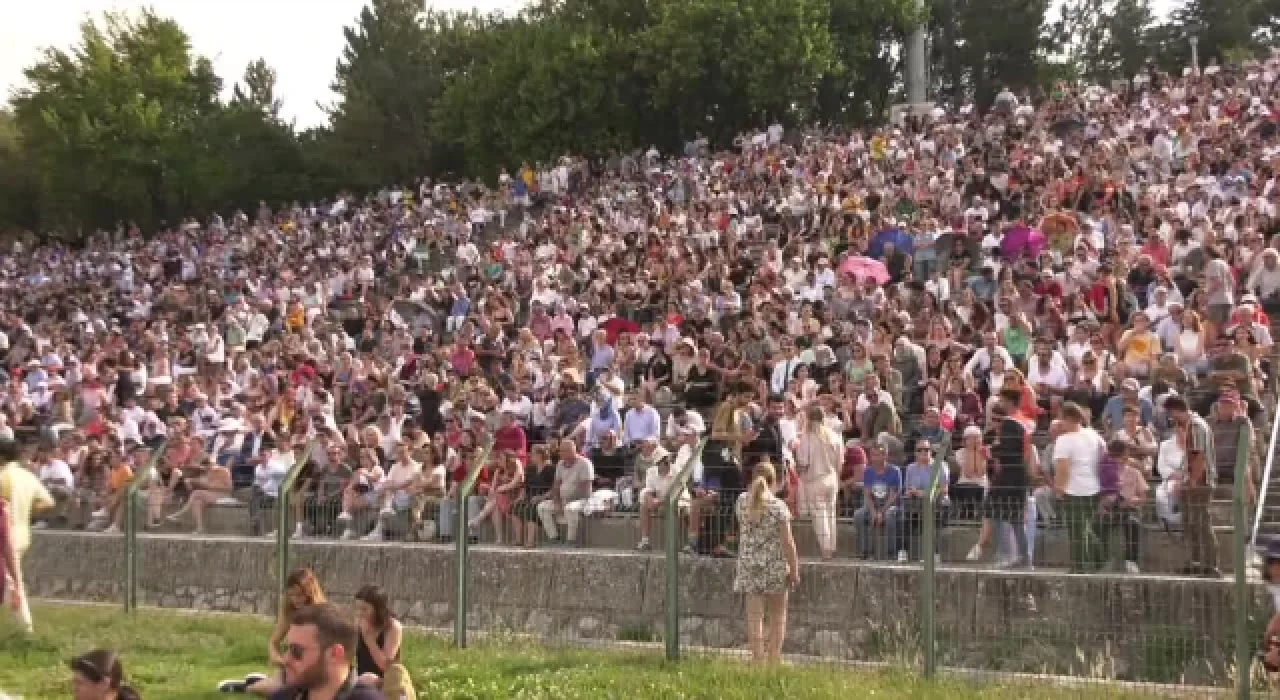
(1157, 632)
(130, 588)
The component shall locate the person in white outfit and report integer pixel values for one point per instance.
(819, 455)
(574, 476)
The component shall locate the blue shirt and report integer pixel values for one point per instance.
(1114, 411)
(641, 423)
(880, 484)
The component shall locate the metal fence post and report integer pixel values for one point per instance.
(1239, 541)
(463, 543)
(283, 513)
(671, 547)
(131, 530)
(928, 577)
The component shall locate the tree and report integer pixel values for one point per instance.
(866, 36)
(115, 127)
(388, 80)
(257, 91)
(975, 54)
(1220, 25)
(1105, 39)
(18, 194)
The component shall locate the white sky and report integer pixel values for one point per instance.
(301, 39)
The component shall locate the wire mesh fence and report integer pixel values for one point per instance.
(905, 560)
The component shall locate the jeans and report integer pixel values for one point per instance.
(1007, 545)
(1079, 513)
(449, 513)
(1198, 527)
(892, 520)
(260, 503)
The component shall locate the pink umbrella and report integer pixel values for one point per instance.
(863, 269)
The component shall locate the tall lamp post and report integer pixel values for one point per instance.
(1195, 50)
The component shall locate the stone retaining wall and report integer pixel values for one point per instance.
(1134, 628)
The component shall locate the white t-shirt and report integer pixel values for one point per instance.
(1082, 449)
(57, 470)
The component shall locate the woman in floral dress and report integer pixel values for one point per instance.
(767, 563)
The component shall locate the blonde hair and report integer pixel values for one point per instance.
(761, 490)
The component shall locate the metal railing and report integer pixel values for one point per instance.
(922, 617)
(284, 515)
(462, 540)
(131, 528)
(1239, 513)
(671, 540)
(1261, 505)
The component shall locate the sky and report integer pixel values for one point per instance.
(301, 39)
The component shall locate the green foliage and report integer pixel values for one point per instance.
(183, 656)
(128, 124)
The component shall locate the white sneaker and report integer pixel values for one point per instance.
(40, 525)
(974, 554)
(1132, 567)
(111, 530)
(299, 532)
(644, 545)
(344, 517)
(902, 556)
(348, 534)
(387, 511)
(100, 513)
(375, 536)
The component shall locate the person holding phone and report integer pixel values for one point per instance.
(768, 566)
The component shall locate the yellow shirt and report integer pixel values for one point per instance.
(25, 495)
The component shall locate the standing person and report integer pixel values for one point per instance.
(24, 495)
(1193, 486)
(1006, 501)
(819, 455)
(322, 639)
(99, 675)
(302, 589)
(1076, 454)
(767, 564)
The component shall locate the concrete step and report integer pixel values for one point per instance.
(1161, 551)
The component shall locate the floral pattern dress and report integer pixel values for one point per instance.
(762, 565)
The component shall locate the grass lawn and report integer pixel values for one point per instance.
(171, 656)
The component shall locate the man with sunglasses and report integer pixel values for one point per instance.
(320, 655)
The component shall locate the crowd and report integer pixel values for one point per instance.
(1060, 306)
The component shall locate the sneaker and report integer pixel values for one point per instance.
(40, 525)
(902, 556)
(100, 513)
(299, 532)
(254, 678)
(344, 517)
(1132, 567)
(348, 534)
(111, 530)
(644, 545)
(387, 511)
(974, 554)
(238, 687)
(375, 536)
